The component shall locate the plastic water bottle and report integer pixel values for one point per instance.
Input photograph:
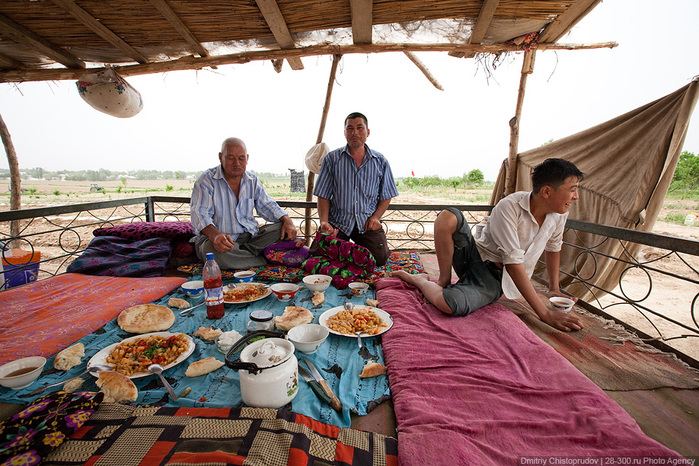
(213, 288)
(690, 219)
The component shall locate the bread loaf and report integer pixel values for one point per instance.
(117, 388)
(293, 316)
(203, 366)
(69, 357)
(146, 318)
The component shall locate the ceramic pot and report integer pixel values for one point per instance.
(268, 370)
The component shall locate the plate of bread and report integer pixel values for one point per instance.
(132, 356)
(369, 321)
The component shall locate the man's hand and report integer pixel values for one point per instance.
(565, 321)
(288, 229)
(223, 242)
(373, 223)
(327, 228)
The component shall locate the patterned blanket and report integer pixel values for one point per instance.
(118, 434)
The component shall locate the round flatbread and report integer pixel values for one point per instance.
(146, 318)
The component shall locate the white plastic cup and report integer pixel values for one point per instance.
(562, 304)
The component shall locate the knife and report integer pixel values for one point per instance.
(315, 386)
(334, 400)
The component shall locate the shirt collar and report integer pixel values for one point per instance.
(218, 174)
(366, 148)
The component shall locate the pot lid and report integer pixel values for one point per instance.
(269, 352)
(261, 315)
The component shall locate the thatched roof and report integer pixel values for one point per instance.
(60, 39)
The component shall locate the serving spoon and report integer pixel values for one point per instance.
(95, 368)
(158, 369)
(348, 307)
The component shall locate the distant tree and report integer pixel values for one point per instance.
(475, 177)
(686, 175)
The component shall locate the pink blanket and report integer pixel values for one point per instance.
(44, 317)
(484, 389)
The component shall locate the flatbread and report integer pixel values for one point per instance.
(203, 366)
(208, 333)
(146, 318)
(178, 303)
(293, 316)
(69, 357)
(117, 388)
(372, 369)
(318, 298)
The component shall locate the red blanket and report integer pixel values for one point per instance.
(44, 317)
(484, 389)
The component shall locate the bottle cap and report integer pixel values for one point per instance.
(209, 256)
(261, 315)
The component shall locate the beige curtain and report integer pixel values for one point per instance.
(628, 163)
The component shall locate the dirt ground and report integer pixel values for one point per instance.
(673, 299)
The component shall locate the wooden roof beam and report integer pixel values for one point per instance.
(276, 23)
(362, 19)
(191, 63)
(485, 17)
(98, 28)
(9, 62)
(22, 35)
(170, 15)
(565, 22)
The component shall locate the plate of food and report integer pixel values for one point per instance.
(370, 321)
(165, 348)
(243, 293)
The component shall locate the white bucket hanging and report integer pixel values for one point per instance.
(108, 92)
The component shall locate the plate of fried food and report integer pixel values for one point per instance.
(370, 321)
(132, 356)
(243, 293)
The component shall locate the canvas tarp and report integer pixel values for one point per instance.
(628, 162)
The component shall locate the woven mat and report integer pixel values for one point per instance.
(117, 434)
(607, 354)
(409, 261)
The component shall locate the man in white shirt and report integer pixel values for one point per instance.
(502, 259)
(222, 208)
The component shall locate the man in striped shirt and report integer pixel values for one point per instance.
(354, 189)
(223, 200)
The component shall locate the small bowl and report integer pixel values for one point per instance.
(226, 340)
(27, 370)
(284, 291)
(307, 338)
(562, 304)
(244, 276)
(317, 282)
(193, 288)
(358, 288)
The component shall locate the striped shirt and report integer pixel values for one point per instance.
(214, 203)
(354, 192)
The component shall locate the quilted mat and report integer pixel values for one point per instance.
(117, 434)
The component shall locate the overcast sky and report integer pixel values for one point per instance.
(418, 128)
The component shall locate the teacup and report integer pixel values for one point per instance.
(562, 304)
(244, 276)
(284, 291)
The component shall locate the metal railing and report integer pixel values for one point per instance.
(62, 233)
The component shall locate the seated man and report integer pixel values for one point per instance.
(521, 226)
(354, 189)
(223, 199)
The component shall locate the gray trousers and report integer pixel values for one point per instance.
(247, 251)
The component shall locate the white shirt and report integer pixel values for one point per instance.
(512, 236)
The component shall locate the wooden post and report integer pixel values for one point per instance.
(15, 180)
(511, 175)
(319, 139)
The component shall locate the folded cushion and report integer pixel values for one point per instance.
(146, 230)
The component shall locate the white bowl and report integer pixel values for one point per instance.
(23, 379)
(284, 291)
(193, 288)
(358, 288)
(317, 282)
(244, 276)
(562, 304)
(307, 338)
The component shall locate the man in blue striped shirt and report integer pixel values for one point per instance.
(223, 199)
(354, 189)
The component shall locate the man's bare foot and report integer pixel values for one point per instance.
(412, 279)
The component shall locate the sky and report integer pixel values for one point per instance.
(421, 130)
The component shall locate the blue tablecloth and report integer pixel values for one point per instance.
(339, 361)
